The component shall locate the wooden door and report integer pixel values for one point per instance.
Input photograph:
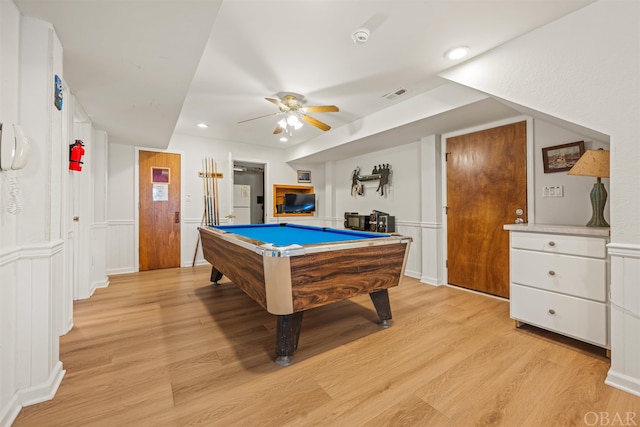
(159, 225)
(486, 185)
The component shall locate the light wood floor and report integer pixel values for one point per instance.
(164, 348)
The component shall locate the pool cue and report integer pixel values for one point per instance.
(206, 191)
(215, 181)
(211, 211)
(213, 193)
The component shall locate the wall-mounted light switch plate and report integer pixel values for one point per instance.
(553, 191)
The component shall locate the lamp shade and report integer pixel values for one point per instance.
(592, 163)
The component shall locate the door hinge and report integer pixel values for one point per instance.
(446, 156)
(446, 264)
(446, 210)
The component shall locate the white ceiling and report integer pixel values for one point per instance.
(144, 69)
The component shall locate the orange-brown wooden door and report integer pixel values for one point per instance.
(159, 225)
(486, 188)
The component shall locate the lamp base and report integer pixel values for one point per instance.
(598, 200)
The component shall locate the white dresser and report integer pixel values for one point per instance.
(560, 279)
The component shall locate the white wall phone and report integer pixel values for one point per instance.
(14, 154)
(14, 147)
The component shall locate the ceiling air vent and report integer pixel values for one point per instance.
(395, 93)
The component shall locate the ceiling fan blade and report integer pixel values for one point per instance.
(314, 122)
(321, 109)
(278, 104)
(278, 130)
(255, 118)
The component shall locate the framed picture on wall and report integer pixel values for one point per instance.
(561, 158)
(304, 176)
(160, 175)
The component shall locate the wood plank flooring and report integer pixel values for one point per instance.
(164, 348)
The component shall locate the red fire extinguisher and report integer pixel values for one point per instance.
(76, 151)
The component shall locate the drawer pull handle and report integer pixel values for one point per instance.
(552, 273)
(552, 243)
(552, 311)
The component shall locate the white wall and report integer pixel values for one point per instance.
(120, 210)
(402, 197)
(575, 207)
(9, 72)
(584, 69)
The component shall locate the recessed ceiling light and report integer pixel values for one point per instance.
(457, 52)
(202, 125)
(283, 139)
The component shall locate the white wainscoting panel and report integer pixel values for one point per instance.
(414, 263)
(31, 314)
(432, 254)
(189, 236)
(625, 318)
(9, 403)
(121, 247)
(99, 277)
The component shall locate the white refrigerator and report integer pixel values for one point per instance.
(242, 204)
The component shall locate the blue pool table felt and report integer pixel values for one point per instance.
(290, 234)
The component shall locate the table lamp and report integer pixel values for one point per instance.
(595, 163)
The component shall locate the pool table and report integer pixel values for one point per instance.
(288, 268)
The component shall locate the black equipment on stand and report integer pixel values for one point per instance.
(382, 222)
(377, 221)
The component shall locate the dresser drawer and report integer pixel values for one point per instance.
(576, 317)
(560, 244)
(583, 277)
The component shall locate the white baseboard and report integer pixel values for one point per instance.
(11, 411)
(124, 270)
(623, 382)
(45, 391)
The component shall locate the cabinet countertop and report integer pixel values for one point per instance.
(559, 229)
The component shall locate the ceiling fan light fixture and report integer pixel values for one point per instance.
(293, 120)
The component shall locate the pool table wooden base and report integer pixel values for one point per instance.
(288, 326)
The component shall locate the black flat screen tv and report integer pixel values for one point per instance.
(299, 203)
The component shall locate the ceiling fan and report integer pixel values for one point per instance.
(292, 111)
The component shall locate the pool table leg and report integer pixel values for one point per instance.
(383, 307)
(287, 334)
(215, 276)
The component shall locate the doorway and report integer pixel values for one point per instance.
(159, 213)
(486, 189)
(248, 192)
